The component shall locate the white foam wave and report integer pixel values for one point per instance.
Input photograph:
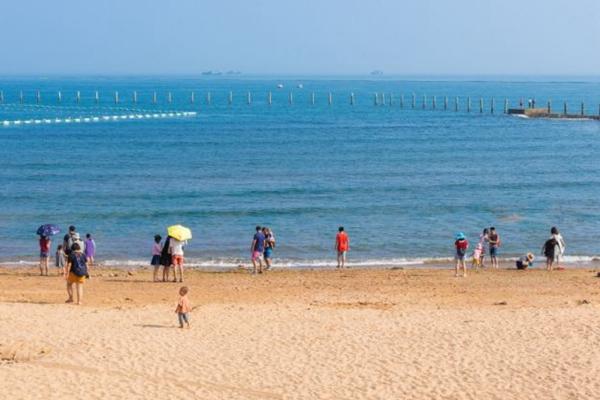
(98, 118)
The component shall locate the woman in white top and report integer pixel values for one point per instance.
(555, 234)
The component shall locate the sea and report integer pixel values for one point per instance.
(303, 156)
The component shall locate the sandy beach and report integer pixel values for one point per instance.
(310, 334)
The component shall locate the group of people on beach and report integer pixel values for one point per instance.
(169, 255)
(553, 249)
(73, 257)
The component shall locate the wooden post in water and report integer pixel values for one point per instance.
(383, 98)
(192, 97)
(565, 111)
(154, 98)
(312, 98)
(492, 105)
(230, 99)
(330, 99)
(481, 105)
(433, 102)
(445, 103)
(134, 97)
(38, 97)
(270, 98)
(582, 108)
(469, 104)
(116, 97)
(375, 99)
(424, 105)
(391, 102)
(249, 100)
(1, 96)
(352, 98)
(505, 106)
(208, 99)
(549, 106)
(97, 97)
(59, 96)
(401, 101)
(291, 98)
(169, 97)
(78, 97)
(21, 97)
(456, 104)
(414, 100)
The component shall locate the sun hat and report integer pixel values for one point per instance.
(530, 257)
(460, 236)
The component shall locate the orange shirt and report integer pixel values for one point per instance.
(342, 241)
(184, 305)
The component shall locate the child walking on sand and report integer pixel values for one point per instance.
(60, 259)
(477, 256)
(183, 307)
(44, 254)
(461, 244)
(156, 252)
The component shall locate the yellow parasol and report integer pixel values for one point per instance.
(179, 232)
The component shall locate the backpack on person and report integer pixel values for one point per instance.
(78, 264)
(74, 238)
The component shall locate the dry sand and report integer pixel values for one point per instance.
(354, 334)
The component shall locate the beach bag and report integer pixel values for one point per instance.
(78, 264)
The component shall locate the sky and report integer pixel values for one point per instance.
(328, 37)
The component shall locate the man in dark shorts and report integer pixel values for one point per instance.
(257, 249)
(494, 241)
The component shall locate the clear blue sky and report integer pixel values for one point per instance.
(546, 37)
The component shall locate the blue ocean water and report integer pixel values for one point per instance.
(401, 180)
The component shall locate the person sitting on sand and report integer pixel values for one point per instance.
(525, 261)
(44, 243)
(342, 245)
(461, 245)
(549, 250)
(75, 272)
(183, 307)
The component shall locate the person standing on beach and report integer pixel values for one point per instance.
(44, 243)
(176, 251)
(461, 245)
(76, 272)
(257, 249)
(90, 249)
(560, 243)
(484, 239)
(165, 259)
(70, 239)
(183, 308)
(549, 250)
(269, 246)
(156, 252)
(494, 241)
(342, 245)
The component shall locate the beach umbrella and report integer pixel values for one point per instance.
(48, 230)
(179, 232)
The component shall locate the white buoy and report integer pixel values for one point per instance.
(376, 99)
(192, 97)
(38, 97)
(270, 98)
(291, 98)
(116, 97)
(154, 98)
(97, 97)
(78, 96)
(312, 98)
(249, 98)
(21, 97)
(330, 99)
(230, 97)
(208, 100)
(351, 99)
(134, 97)
(59, 96)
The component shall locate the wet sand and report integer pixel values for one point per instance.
(367, 334)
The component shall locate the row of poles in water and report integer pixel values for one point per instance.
(379, 99)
